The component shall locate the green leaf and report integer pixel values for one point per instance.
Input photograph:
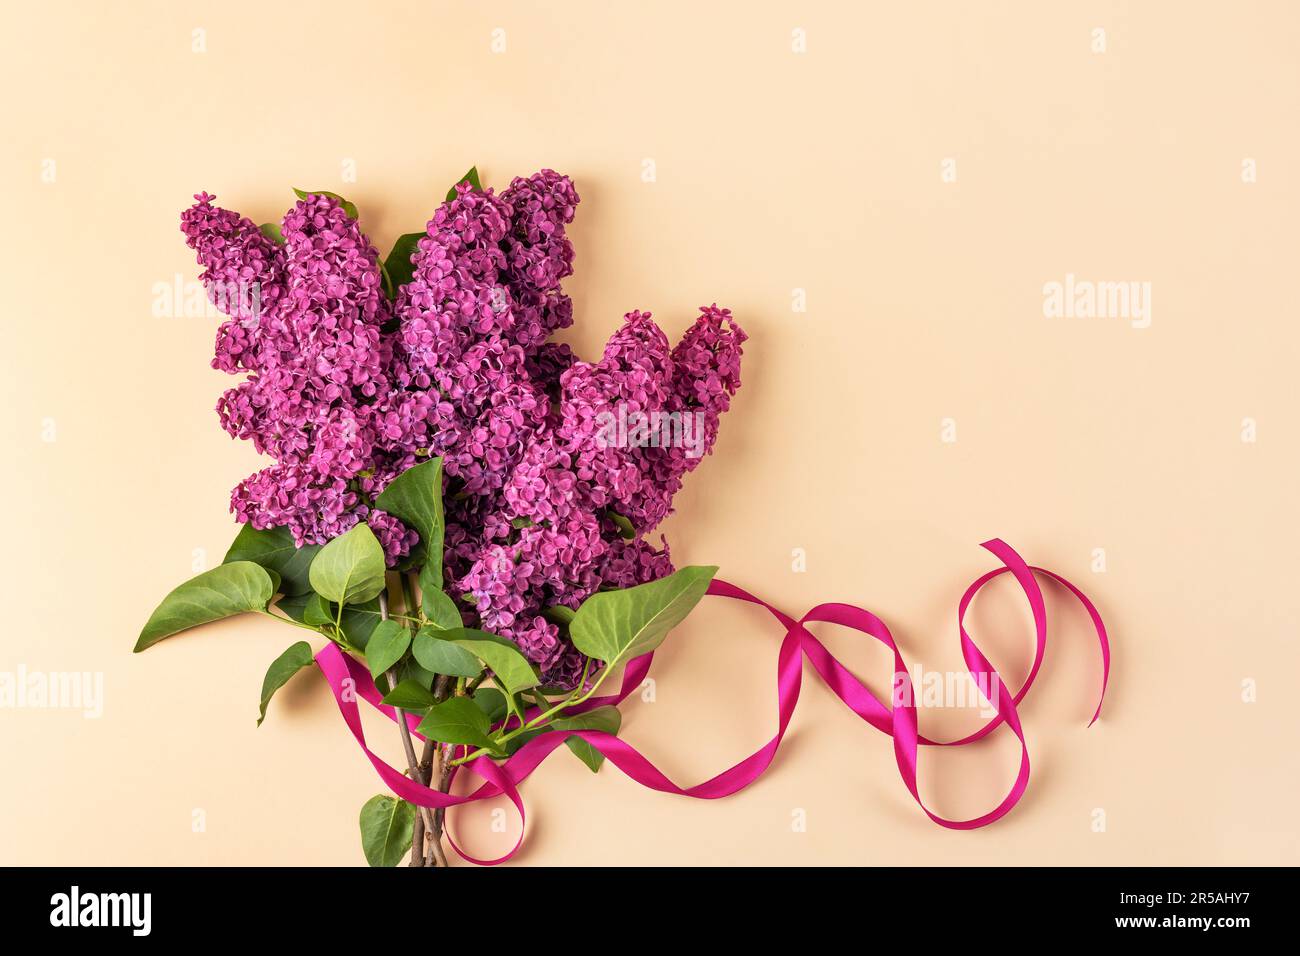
(513, 745)
(350, 569)
(225, 590)
(272, 231)
(457, 721)
(294, 607)
(559, 614)
(441, 610)
(398, 265)
(415, 496)
(387, 825)
(388, 642)
(615, 626)
(492, 702)
(470, 177)
(275, 582)
(625, 529)
(585, 752)
(318, 612)
(274, 549)
(441, 656)
(514, 703)
(409, 695)
(430, 579)
(359, 622)
(411, 670)
(282, 668)
(605, 718)
(509, 666)
(348, 207)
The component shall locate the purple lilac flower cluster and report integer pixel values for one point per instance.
(345, 390)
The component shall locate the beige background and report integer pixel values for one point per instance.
(776, 171)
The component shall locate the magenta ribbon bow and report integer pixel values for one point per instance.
(349, 679)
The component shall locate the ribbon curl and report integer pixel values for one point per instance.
(349, 679)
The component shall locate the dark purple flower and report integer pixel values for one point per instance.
(541, 451)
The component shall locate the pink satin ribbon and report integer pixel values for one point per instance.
(349, 679)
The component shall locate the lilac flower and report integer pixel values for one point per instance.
(629, 563)
(345, 391)
(635, 375)
(316, 396)
(539, 254)
(315, 509)
(547, 364)
(706, 369)
(241, 269)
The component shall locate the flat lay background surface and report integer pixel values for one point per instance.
(881, 194)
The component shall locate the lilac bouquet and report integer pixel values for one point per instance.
(454, 499)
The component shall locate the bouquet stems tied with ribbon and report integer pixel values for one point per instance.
(456, 502)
